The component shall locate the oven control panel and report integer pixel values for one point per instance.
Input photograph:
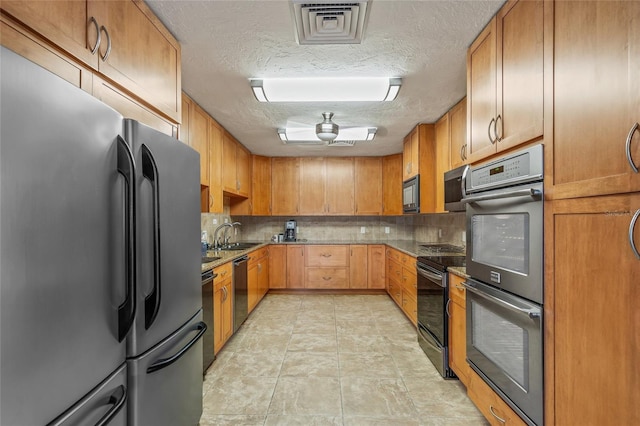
(521, 167)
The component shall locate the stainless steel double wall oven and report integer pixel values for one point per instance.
(504, 200)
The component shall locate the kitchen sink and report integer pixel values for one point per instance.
(239, 246)
(210, 259)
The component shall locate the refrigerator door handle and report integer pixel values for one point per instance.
(165, 362)
(152, 300)
(117, 399)
(126, 167)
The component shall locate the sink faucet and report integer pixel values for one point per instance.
(227, 238)
(216, 242)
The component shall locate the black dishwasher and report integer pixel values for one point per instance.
(240, 297)
(207, 317)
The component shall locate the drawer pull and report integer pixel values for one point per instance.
(326, 278)
(325, 255)
(628, 147)
(500, 419)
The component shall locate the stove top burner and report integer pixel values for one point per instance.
(443, 247)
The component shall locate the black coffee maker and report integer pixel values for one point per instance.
(290, 228)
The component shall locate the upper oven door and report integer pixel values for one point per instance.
(505, 239)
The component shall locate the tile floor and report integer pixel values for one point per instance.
(330, 360)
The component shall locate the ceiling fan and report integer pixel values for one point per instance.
(325, 133)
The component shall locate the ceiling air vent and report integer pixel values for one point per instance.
(341, 143)
(330, 22)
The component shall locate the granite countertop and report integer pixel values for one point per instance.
(412, 248)
(460, 271)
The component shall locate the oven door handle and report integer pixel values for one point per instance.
(430, 276)
(531, 313)
(533, 193)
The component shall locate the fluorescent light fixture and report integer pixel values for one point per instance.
(350, 89)
(304, 134)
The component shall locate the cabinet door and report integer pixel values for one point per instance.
(410, 154)
(368, 186)
(495, 410)
(199, 138)
(406, 157)
(458, 124)
(64, 22)
(261, 186)
(339, 186)
(219, 296)
(277, 266)
(442, 141)
(295, 266)
(229, 177)
(243, 171)
(392, 185)
(376, 270)
(358, 266)
(263, 277)
(312, 186)
(252, 285)
(520, 72)
(227, 312)
(481, 93)
(216, 202)
(285, 186)
(132, 29)
(596, 98)
(35, 49)
(456, 310)
(183, 131)
(592, 290)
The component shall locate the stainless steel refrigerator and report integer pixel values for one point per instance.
(100, 298)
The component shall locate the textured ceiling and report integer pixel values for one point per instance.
(224, 43)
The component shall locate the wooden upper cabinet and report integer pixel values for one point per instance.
(505, 80)
(410, 154)
(229, 178)
(285, 185)
(261, 185)
(135, 50)
(442, 131)
(339, 187)
(312, 185)
(138, 52)
(64, 23)
(216, 202)
(458, 124)
(183, 132)
(199, 138)
(368, 186)
(392, 185)
(594, 105)
(243, 171)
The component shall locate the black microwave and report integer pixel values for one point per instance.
(411, 195)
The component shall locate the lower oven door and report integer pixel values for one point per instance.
(504, 345)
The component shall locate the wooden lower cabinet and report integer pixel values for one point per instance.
(277, 266)
(327, 278)
(295, 266)
(222, 306)
(358, 266)
(257, 277)
(494, 409)
(457, 312)
(376, 270)
(402, 282)
(592, 331)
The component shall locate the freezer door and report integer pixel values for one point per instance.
(104, 405)
(166, 382)
(167, 233)
(62, 267)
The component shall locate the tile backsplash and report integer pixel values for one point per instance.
(448, 228)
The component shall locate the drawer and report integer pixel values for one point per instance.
(329, 256)
(224, 272)
(256, 255)
(457, 293)
(328, 278)
(395, 291)
(490, 404)
(410, 280)
(408, 261)
(394, 271)
(394, 254)
(410, 306)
